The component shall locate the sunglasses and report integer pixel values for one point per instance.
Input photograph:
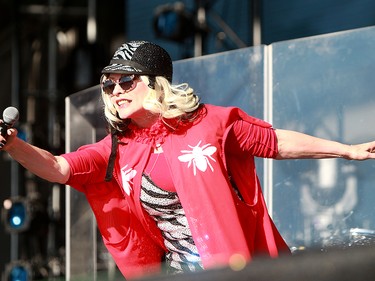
(127, 83)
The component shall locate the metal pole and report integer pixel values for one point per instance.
(14, 239)
(52, 75)
(91, 22)
(257, 27)
(198, 39)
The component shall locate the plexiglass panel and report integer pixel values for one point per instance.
(324, 86)
(234, 78)
(84, 125)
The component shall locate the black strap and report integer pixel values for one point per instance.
(112, 156)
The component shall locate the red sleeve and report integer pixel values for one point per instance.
(88, 164)
(257, 140)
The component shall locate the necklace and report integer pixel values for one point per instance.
(157, 151)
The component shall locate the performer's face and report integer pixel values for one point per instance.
(128, 97)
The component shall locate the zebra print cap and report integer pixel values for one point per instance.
(142, 58)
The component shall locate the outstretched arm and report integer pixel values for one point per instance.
(38, 161)
(294, 145)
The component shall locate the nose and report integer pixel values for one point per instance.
(117, 90)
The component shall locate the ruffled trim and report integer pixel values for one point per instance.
(155, 135)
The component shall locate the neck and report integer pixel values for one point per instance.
(146, 122)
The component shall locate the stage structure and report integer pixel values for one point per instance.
(321, 85)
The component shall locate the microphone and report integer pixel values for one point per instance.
(10, 117)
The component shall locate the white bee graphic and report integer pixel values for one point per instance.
(199, 156)
(127, 177)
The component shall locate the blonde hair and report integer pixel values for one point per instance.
(167, 100)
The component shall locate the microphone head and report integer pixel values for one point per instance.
(10, 115)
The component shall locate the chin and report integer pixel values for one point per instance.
(123, 113)
(124, 116)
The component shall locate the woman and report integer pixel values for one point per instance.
(175, 180)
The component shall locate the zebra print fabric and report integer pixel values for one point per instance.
(165, 208)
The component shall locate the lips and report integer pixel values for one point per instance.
(123, 102)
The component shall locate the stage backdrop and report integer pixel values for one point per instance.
(321, 85)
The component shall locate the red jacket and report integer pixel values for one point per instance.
(204, 164)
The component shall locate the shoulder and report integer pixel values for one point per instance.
(102, 144)
(97, 150)
(230, 114)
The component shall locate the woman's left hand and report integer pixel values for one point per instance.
(361, 151)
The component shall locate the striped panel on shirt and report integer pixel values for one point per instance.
(165, 208)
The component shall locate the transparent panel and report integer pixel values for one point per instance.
(324, 86)
(84, 125)
(232, 78)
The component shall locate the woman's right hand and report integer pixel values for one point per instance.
(7, 140)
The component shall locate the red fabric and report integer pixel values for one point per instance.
(204, 161)
(222, 225)
(134, 251)
(158, 170)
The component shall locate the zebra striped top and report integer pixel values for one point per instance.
(165, 208)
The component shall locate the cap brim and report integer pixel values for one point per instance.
(120, 68)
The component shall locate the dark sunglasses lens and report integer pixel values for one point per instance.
(108, 86)
(126, 82)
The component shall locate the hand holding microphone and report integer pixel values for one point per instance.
(10, 117)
